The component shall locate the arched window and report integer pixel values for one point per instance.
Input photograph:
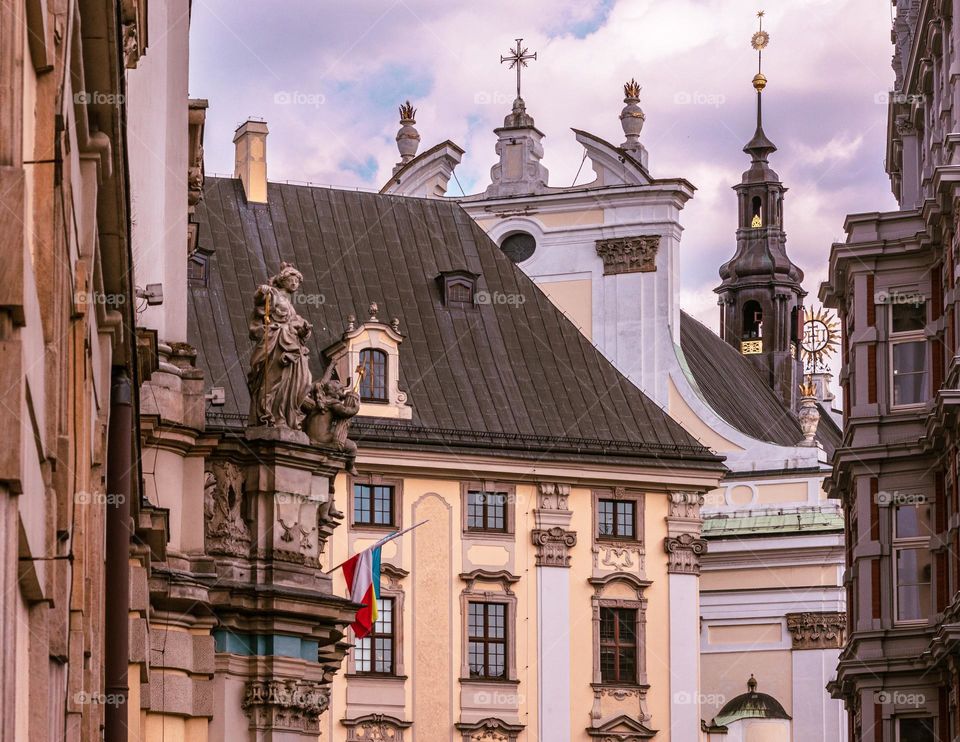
(373, 386)
(752, 321)
(519, 246)
(756, 220)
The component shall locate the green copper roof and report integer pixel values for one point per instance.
(757, 525)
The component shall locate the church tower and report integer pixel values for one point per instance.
(761, 297)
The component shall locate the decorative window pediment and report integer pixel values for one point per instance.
(375, 727)
(489, 730)
(622, 729)
(373, 346)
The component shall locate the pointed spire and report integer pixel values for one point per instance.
(408, 138)
(760, 147)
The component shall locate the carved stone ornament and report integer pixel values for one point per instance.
(552, 496)
(817, 630)
(629, 254)
(618, 555)
(375, 728)
(225, 531)
(294, 705)
(330, 406)
(685, 505)
(683, 553)
(489, 730)
(279, 378)
(553, 546)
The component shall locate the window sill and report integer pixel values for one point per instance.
(379, 677)
(619, 540)
(491, 681)
(493, 535)
(373, 527)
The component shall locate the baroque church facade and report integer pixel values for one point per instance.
(769, 600)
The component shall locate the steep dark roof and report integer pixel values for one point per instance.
(732, 387)
(512, 376)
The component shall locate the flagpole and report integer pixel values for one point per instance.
(381, 542)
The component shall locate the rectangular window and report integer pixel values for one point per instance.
(373, 654)
(487, 640)
(915, 730)
(912, 528)
(618, 645)
(909, 365)
(617, 519)
(373, 505)
(486, 511)
(908, 354)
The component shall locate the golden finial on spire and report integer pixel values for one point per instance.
(759, 42)
(631, 89)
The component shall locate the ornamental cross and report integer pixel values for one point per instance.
(518, 59)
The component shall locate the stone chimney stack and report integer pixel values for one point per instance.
(250, 163)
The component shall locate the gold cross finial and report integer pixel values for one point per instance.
(518, 59)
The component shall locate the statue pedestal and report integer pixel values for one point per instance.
(281, 629)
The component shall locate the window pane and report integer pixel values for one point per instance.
(496, 621)
(913, 584)
(913, 521)
(916, 730)
(625, 519)
(908, 317)
(383, 661)
(605, 517)
(608, 668)
(361, 654)
(361, 503)
(475, 624)
(475, 510)
(628, 665)
(383, 505)
(628, 626)
(497, 659)
(909, 372)
(608, 624)
(476, 659)
(373, 386)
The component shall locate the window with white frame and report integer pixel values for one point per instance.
(912, 528)
(908, 353)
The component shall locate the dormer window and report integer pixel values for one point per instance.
(458, 288)
(373, 346)
(373, 386)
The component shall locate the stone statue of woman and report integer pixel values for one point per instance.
(279, 376)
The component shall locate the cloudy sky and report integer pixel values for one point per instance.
(328, 77)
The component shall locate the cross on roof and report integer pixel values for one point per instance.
(518, 58)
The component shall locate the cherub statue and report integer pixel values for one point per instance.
(329, 407)
(279, 376)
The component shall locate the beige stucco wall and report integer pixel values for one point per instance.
(574, 298)
(436, 554)
(724, 676)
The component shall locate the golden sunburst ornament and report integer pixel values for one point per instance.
(760, 40)
(821, 337)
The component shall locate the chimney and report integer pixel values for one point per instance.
(251, 159)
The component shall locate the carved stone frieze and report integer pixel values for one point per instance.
(683, 553)
(618, 555)
(552, 496)
(817, 630)
(489, 730)
(375, 728)
(553, 546)
(629, 254)
(685, 505)
(226, 531)
(288, 704)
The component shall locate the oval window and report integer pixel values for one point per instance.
(519, 246)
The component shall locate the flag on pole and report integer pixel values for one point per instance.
(362, 573)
